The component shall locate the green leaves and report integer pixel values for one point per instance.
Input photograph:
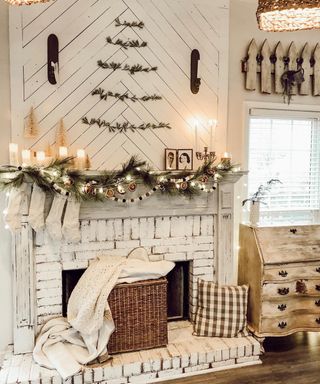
(123, 96)
(127, 44)
(132, 69)
(123, 127)
(132, 24)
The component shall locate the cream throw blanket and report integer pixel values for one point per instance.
(66, 345)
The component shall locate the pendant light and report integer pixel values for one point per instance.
(288, 15)
(25, 2)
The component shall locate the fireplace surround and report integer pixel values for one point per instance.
(199, 231)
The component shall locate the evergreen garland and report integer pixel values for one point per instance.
(127, 44)
(129, 68)
(123, 96)
(57, 178)
(132, 24)
(123, 127)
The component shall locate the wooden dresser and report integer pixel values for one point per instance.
(281, 265)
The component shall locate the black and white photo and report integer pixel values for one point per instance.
(185, 159)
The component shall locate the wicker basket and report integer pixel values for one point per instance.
(139, 311)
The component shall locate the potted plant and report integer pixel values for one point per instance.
(257, 198)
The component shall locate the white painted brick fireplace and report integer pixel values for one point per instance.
(199, 231)
(177, 229)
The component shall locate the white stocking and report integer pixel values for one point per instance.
(54, 219)
(70, 229)
(12, 215)
(36, 210)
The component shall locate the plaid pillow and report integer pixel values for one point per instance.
(221, 310)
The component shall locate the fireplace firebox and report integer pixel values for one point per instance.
(178, 289)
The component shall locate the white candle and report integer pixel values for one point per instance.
(81, 158)
(63, 152)
(226, 159)
(13, 154)
(213, 125)
(196, 127)
(26, 157)
(41, 158)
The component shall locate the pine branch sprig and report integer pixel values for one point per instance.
(123, 96)
(131, 24)
(123, 127)
(129, 68)
(138, 68)
(127, 44)
(114, 66)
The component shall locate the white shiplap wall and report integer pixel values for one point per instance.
(172, 29)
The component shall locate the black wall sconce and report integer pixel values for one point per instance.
(195, 81)
(53, 59)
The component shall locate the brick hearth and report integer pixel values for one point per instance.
(184, 355)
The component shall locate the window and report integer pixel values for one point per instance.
(285, 145)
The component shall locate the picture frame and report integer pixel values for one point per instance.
(185, 159)
(171, 163)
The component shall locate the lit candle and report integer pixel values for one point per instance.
(196, 127)
(41, 158)
(13, 154)
(26, 157)
(81, 158)
(212, 125)
(226, 159)
(63, 152)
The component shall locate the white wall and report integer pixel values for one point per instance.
(243, 28)
(172, 29)
(5, 259)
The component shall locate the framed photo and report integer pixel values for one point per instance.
(171, 159)
(185, 159)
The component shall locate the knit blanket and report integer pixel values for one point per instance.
(68, 344)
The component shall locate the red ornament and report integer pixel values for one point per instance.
(132, 186)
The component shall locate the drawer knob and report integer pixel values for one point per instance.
(293, 230)
(317, 287)
(318, 320)
(283, 291)
(282, 325)
(317, 303)
(283, 273)
(282, 307)
(318, 270)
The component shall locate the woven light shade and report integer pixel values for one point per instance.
(25, 2)
(288, 15)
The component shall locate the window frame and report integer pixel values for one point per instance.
(312, 110)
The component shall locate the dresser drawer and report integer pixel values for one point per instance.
(288, 272)
(286, 306)
(294, 288)
(289, 244)
(286, 324)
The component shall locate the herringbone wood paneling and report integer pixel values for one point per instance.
(172, 29)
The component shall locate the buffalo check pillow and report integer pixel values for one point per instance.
(221, 310)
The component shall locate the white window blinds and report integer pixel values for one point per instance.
(286, 146)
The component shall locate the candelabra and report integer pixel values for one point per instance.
(206, 156)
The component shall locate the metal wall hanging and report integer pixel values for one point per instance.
(288, 71)
(195, 81)
(53, 59)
